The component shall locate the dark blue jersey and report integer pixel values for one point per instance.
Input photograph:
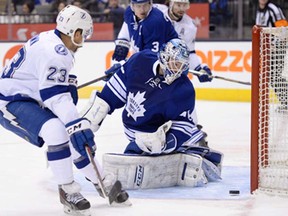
(149, 101)
(149, 33)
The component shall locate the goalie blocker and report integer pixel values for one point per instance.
(144, 172)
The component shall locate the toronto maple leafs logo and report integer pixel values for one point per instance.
(135, 107)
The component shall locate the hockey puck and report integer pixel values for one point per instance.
(234, 192)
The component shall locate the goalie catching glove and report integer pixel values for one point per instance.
(121, 50)
(153, 143)
(206, 75)
(81, 135)
(96, 111)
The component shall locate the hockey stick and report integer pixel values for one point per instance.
(219, 77)
(111, 70)
(100, 181)
(93, 81)
(116, 188)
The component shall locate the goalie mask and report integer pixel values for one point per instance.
(72, 18)
(173, 58)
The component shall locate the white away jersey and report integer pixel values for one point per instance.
(186, 30)
(40, 71)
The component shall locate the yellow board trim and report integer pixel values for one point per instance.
(218, 94)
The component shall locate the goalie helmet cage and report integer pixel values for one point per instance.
(269, 112)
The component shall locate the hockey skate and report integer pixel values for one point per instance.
(73, 201)
(116, 195)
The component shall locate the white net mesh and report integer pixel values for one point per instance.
(273, 111)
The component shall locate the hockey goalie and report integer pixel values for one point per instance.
(166, 147)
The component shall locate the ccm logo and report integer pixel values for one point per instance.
(139, 174)
(74, 128)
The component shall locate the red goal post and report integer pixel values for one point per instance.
(269, 111)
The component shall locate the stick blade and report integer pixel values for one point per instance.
(117, 197)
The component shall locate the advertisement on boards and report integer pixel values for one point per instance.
(227, 59)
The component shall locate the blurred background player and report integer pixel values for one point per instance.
(144, 27)
(35, 108)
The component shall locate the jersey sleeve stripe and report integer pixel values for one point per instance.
(117, 88)
(51, 92)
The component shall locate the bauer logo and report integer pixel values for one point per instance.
(139, 174)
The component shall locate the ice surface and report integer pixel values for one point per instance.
(27, 187)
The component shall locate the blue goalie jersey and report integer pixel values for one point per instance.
(149, 101)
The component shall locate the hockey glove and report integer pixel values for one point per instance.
(121, 50)
(153, 143)
(111, 71)
(207, 74)
(72, 80)
(95, 111)
(81, 135)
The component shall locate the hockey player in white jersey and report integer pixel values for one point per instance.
(158, 100)
(36, 103)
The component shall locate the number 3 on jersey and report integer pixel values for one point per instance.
(155, 46)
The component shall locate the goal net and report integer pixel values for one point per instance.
(269, 111)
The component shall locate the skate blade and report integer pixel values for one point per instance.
(73, 212)
(123, 204)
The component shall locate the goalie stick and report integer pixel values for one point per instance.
(219, 77)
(116, 188)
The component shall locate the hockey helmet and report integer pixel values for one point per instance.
(72, 18)
(173, 57)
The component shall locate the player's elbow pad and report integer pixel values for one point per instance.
(121, 50)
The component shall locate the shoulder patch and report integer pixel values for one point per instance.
(61, 49)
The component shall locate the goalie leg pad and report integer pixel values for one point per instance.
(135, 171)
(143, 172)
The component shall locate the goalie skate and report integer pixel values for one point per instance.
(73, 201)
